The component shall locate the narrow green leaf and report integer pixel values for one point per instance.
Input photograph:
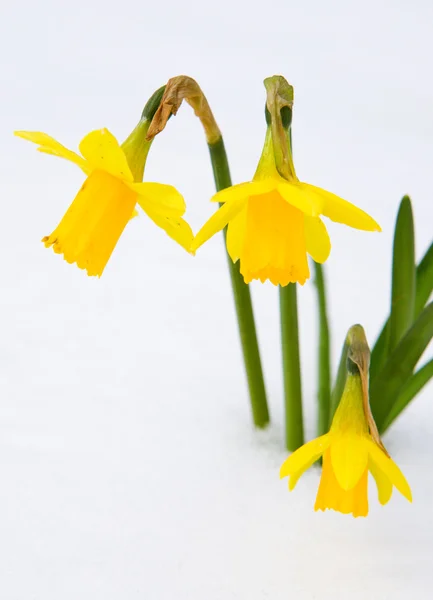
(424, 280)
(398, 368)
(424, 289)
(403, 275)
(412, 387)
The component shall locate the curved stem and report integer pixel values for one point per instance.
(243, 304)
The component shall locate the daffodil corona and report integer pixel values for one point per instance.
(274, 222)
(350, 450)
(91, 227)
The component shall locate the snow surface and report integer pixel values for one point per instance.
(128, 464)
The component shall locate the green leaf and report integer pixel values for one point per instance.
(424, 288)
(385, 388)
(424, 280)
(403, 275)
(413, 386)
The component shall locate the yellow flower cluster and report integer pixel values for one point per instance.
(273, 223)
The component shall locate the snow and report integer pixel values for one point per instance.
(128, 462)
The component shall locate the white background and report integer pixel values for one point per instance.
(128, 465)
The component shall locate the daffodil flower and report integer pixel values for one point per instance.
(274, 222)
(91, 227)
(349, 452)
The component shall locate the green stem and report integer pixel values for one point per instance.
(340, 382)
(243, 304)
(291, 367)
(324, 392)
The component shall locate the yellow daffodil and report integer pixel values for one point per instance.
(350, 450)
(274, 222)
(91, 227)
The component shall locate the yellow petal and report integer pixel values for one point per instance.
(317, 239)
(383, 484)
(236, 235)
(342, 211)
(159, 197)
(349, 457)
(296, 476)
(390, 469)
(176, 227)
(245, 190)
(49, 145)
(101, 149)
(219, 220)
(303, 455)
(294, 195)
